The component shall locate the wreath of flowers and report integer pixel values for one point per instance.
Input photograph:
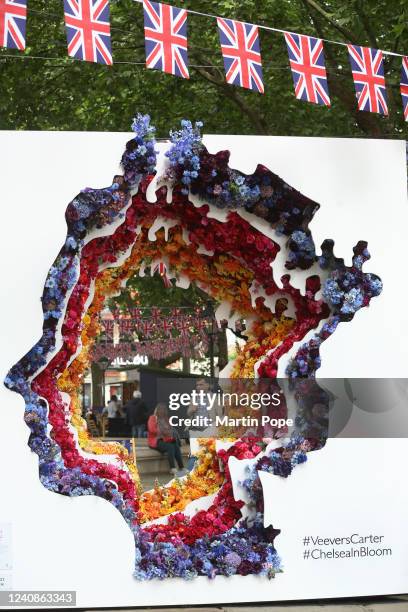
(90, 267)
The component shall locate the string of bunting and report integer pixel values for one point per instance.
(192, 331)
(158, 323)
(193, 345)
(88, 31)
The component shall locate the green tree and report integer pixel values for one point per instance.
(151, 292)
(63, 94)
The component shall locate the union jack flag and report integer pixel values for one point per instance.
(183, 326)
(161, 269)
(404, 86)
(155, 315)
(368, 73)
(109, 328)
(175, 313)
(242, 54)
(167, 327)
(306, 58)
(165, 30)
(88, 30)
(13, 16)
(126, 326)
(136, 313)
(147, 328)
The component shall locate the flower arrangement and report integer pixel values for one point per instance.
(262, 193)
(217, 540)
(346, 290)
(140, 156)
(183, 155)
(349, 289)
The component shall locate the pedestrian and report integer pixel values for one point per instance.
(136, 415)
(113, 408)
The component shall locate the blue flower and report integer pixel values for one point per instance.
(375, 284)
(71, 243)
(353, 300)
(140, 156)
(184, 152)
(50, 282)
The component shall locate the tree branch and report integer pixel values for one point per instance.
(347, 33)
(367, 123)
(366, 24)
(231, 92)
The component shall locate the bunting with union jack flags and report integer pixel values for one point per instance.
(404, 86)
(367, 67)
(241, 51)
(87, 24)
(13, 17)
(306, 58)
(165, 29)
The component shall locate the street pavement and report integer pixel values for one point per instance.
(398, 603)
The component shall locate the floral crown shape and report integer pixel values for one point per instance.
(89, 266)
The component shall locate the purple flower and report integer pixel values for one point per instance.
(232, 559)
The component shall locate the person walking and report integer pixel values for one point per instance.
(113, 408)
(136, 415)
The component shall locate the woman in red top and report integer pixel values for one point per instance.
(162, 437)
